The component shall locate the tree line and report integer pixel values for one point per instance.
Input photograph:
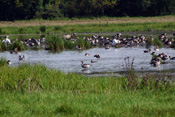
(11, 10)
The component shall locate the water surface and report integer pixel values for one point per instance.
(110, 61)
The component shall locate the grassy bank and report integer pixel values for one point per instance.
(38, 91)
(124, 27)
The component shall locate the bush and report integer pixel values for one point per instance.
(42, 29)
(21, 31)
(158, 42)
(69, 44)
(3, 62)
(17, 46)
(3, 46)
(80, 43)
(87, 44)
(55, 43)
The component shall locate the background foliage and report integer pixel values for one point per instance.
(11, 10)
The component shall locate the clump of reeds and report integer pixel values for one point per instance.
(3, 46)
(21, 30)
(42, 29)
(133, 81)
(3, 62)
(55, 43)
(85, 44)
(17, 46)
(156, 42)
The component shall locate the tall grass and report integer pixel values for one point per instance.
(57, 43)
(156, 42)
(3, 62)
(17, 46)
(38, 91)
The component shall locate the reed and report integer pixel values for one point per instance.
(17, 46)
(3, 62)
(155, 42)
(3, 46)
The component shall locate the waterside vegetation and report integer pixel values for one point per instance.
(34, 90)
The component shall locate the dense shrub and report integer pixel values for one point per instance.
(42, 29)
(3, 62)
(3, 46)
(17, 46)
(55, 43)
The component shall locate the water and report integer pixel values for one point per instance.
(110, 61)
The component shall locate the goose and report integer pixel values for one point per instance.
(97, 56)
(85, 65)
(92, 61)
(106, 47)
(172, 58)
(156, 48)
(147, 51)
(78, 47)
(9, 62)
(21, 57)
(87, 54)
(165, 57)
(155, 62)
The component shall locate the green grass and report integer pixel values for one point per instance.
(67, 103)
(38, 91)
(124, 27)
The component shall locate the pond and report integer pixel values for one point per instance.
(110, 61)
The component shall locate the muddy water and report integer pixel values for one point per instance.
(110, 61)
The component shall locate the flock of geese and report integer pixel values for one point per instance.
(158, 59)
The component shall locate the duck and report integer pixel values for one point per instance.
(92, 61)
(78, 47)
(85, 65)
(172, 58)
(87, 54)
(21, 57)
(156, 62)
(147, 51)
(97, 56)
(106, 47)
(165, 57)
(156, 48)
(9, 62)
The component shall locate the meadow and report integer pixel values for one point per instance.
(35, 90)
(164, 23)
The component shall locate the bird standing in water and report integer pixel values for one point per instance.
(85, 65)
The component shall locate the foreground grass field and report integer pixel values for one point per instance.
(37, 91)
